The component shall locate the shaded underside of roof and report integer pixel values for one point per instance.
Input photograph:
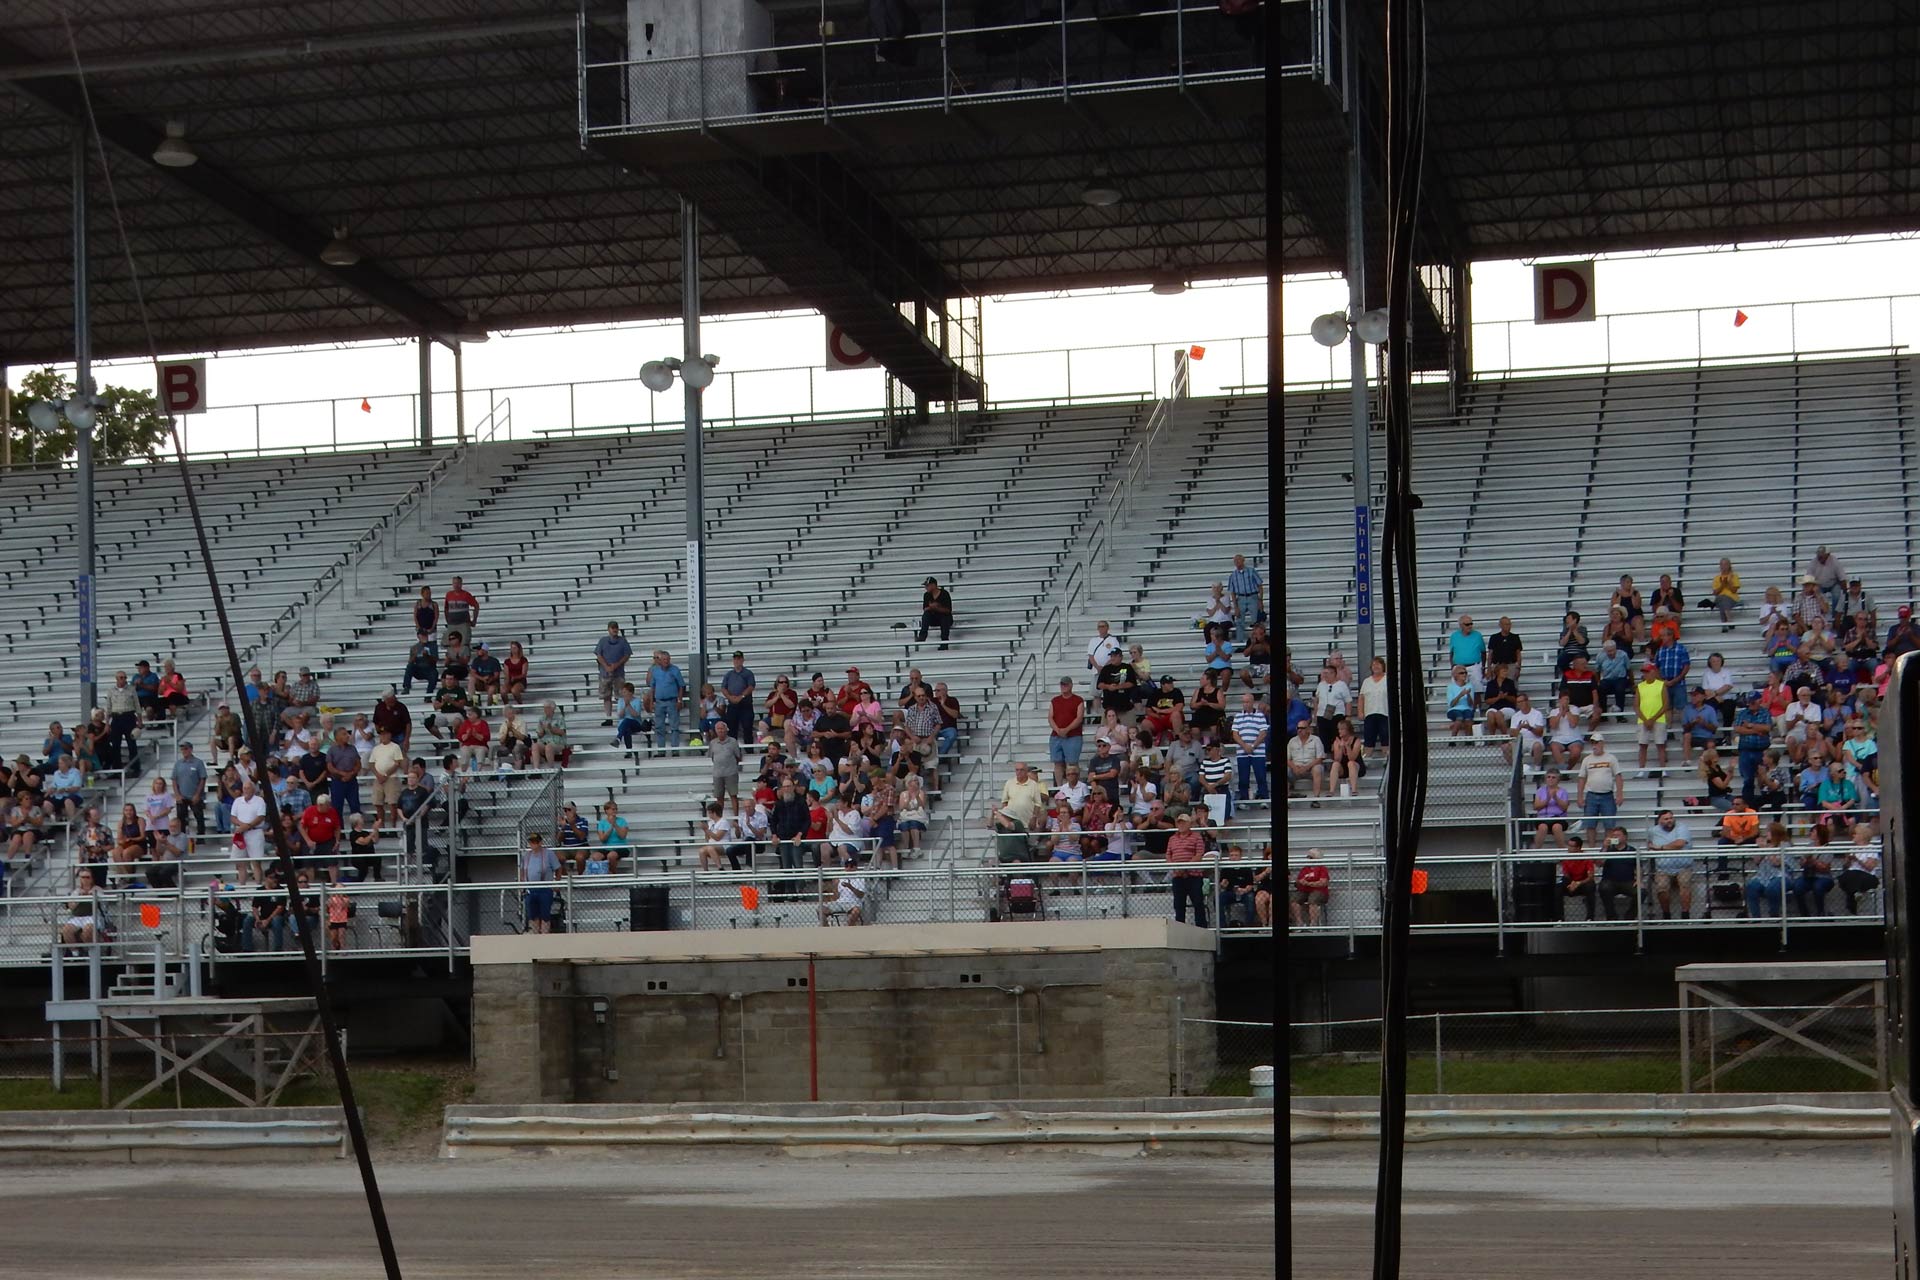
(1590, 125)
(443, 135)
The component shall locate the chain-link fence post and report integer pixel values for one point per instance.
(1179, 1047)
(1439, 1075)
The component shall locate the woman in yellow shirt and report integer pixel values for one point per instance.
(1726, 592)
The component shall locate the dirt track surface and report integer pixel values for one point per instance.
(989, 1216)
(1755, 1210)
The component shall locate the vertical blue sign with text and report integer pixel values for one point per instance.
(1362, 567)
(83, 596)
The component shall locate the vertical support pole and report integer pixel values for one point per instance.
(426, 391)
(920, 404)
(1363, 637)
(696, 480)
(459, 393)
(6, 421)
(1439, 1078)
(1460, 344)
(83, 440)
(813, 1034)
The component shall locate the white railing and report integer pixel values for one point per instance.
(174, 924)
(1690, 337)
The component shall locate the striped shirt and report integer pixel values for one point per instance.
(1243, 582)
(1214, 773)
(1186, 846)
(1248, 726)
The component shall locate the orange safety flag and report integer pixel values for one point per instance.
(1196, 353)
(150, 915)
(364, 406)
(1419, 881)
(1739, 318)
(749, 897)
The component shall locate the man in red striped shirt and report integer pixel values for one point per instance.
(1188, 845)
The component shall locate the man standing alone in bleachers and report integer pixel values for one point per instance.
(460, 610)
(1245, 586)
(1829, 575)
(1468, 648)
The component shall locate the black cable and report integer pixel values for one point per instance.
(1405, 791)
(329, 1026)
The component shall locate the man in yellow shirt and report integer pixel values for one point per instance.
(1651, 713)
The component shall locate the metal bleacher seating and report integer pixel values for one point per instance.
(818, 538)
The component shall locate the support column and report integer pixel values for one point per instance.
(459, 392)
(83, 440)
(1460, 341)
(696, 480)
(426, 391)
(1363, 638)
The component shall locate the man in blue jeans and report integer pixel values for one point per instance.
(1753, 731)
(665, 688)
(1245, 585)
(1250, 729)
(1602, 785)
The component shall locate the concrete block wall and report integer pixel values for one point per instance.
(1088, 1023)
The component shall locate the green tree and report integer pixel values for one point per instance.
(130, 423)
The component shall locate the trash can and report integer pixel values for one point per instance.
(1262, 1080)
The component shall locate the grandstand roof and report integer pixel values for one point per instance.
(444, 136)
(1591, 125)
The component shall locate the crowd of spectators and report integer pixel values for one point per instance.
(1167, 772)
(1785, 766)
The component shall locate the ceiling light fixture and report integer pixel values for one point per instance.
(1100, 195)
(174, 150)
(1169, 283)
(338, 252)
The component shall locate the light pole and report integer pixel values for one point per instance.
(696, 375)
(1370, 329)
(81, 409)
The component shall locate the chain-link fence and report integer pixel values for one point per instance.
(1214, 1057)
(1757, 1049)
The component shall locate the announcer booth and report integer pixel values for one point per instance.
(1899, 799)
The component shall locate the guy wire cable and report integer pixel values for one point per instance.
(1406, 784)
(336, 1056)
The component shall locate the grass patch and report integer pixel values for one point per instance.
(402, 1103)
(1650, 1073)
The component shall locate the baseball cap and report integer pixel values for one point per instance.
(1754, 695)
(1650, 667)
(853, 671)
(1600, 738)
(479, 644)
(1807, 579)
(929, 582)
(222, 707)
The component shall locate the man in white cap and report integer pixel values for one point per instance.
(1602, 785)
(1809, 606)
